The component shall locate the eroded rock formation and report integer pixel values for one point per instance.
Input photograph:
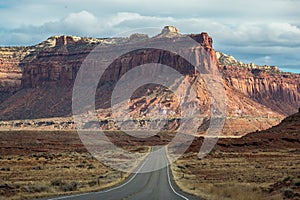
(39, 81)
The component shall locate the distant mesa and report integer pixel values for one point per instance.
(228, 60)
(62, 40)
(169, 29)
(169, 32)
(138, 37)
(37, 81)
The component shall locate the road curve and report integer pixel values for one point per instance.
(154, 185)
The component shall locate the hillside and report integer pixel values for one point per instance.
(36, 82)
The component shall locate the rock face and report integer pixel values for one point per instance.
(56, 63)
(228, 60)
(280, 92)
(38, 81)
(169, 29)
(10, 72)
(60, 63)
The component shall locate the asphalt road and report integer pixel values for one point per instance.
(146, 186)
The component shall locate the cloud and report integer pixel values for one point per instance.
(260, 31)
(81, 23)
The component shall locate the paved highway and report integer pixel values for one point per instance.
(154, 185)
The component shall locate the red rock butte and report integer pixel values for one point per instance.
(36, 82)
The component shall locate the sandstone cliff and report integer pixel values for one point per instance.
(38, 82)
(10, 72)
(278, 91)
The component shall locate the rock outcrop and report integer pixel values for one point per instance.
(38, 82)
(279, 91)
(10, 72)
(169, 29)
(228, 60)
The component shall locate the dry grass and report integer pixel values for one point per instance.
(245, 175)
(51, 174)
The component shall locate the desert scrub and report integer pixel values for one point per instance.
(37, 188)
(66, 187)
(297, 182)
(6, 169)
(288, 193)
(60, 185)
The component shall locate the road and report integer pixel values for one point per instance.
(154, 185)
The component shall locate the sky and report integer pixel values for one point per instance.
(262, 32)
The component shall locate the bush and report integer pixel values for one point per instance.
(80, 165)
(7, 169)
(37, 168)
(37, 188)
(56, 182)
(288, 193)
(93, 183)
(68, 187)
(63, 186)
(297, 183)
(91, 166)
(288, 178)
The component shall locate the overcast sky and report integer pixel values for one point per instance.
(263, 32)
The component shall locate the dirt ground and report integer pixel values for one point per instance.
(50, 163)
(249, 175)
(261, 165)
(46, 174)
